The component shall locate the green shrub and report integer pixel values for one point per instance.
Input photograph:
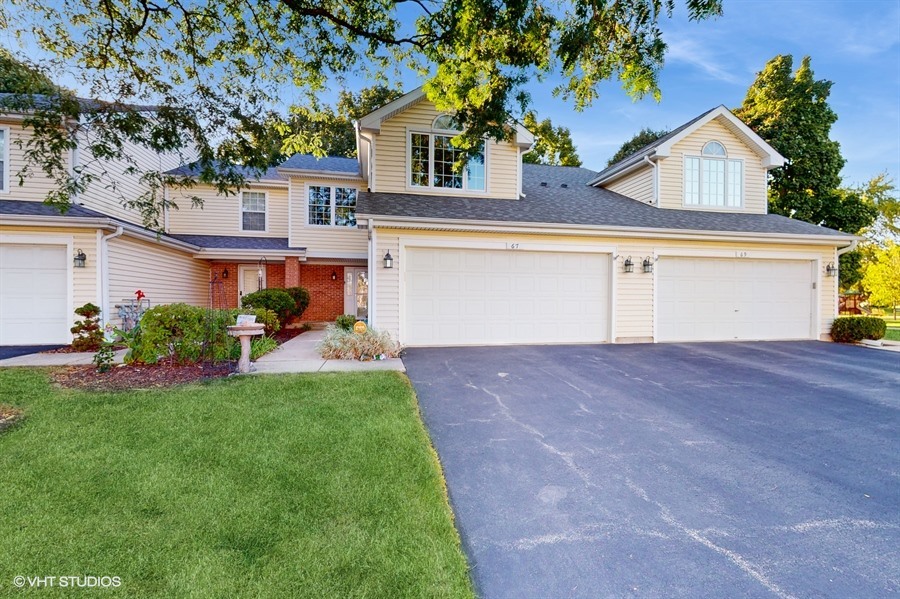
(277, 300)
(266, 317)
(850, 329)
(340, 344)
(345, 322)
(105, 357)
(301, 300)
(259, 346)
(88, 334)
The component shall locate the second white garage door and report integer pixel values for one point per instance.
(34, 294)
(711, 299)
(484, 297)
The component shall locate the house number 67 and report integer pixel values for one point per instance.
(513, 246)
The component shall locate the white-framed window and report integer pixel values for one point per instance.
(712, 179)
(253, 211)
(432, 156)
(331, 206)
(4, 159)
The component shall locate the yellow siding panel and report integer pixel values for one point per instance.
(391, 157)
(633, 296)
(35, 187)
(671, 174)
(323, 241)
(221, 215)
(637, 185)
(165, 275)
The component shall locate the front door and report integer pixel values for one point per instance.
(356, 292)
(249, 279)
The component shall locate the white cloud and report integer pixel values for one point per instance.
(693, 53)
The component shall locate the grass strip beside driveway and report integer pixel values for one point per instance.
(297, 485)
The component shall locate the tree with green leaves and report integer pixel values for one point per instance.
(882, 277)
(640, 139)
(17, 77)
(213, 67)
(789, 109)
(552, 145)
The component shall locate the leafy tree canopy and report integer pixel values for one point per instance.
(789, 109)
(552, 145)
(882, 277)
(212, 67)
(16, 77)
(641, 138)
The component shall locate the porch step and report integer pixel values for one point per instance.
(313, 325)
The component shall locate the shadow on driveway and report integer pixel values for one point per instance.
(13, 351)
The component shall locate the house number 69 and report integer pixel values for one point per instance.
(740, 254)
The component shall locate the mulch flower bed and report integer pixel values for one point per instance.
(9, 416)
(138, 376)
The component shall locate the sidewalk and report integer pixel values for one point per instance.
(300, 355)
(72, 359)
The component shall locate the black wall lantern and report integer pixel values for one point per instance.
(647, 264)
(334, 275)
(225, 273)
(388, 260)
(628, 266)
(831, 270)
(80, 259)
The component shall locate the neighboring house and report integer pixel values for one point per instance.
(672, 243)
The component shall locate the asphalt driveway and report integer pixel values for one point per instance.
(689, 470)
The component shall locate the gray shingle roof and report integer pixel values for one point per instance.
(24, 208)
(566, 199)
(193, 169)
(225, 242)
(335, 164)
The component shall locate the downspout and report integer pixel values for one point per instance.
(373, 267)
(104, 273)
(655, 199)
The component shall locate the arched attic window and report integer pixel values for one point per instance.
(432, 159)
(712, 179)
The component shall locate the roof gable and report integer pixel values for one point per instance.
(662, 147)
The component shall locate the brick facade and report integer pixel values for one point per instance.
(326, 295)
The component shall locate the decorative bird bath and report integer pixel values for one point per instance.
(244, 333)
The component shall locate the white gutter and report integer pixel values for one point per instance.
(104, 274)
(594, 230)
(319, 174)
(652, 164)
(849, 248)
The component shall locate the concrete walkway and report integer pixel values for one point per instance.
(71, 359)
(300, 355)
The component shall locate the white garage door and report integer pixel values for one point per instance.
(484, 297)
(34, 306)
(705, 299)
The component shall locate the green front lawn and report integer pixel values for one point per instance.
(892, 334)
(272, 486)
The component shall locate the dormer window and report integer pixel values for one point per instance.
(712, 179)
(432, 155)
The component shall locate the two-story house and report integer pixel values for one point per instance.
(673, 243)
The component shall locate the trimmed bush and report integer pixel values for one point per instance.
(850, 329)
(88, 334)
(339, 344)
(345, 322)
(276, 300)
(301, 300)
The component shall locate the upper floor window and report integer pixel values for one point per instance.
(332, 206)
(4, 162)
(253, 211)
(712, 179)
(432, 156)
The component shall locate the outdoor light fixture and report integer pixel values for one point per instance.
(831, 270)
(261, 267)
(334, 275)
(80, 259)
(628, 266)
(388, 260)
(225, 274)
(647, 264)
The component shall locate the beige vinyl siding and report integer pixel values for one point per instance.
(324, 241)
(633, 295)
(391, 168)
(115, 184)
(637, 185)
(165, 275)
(221, 215)
(84, 280)
(671, 174)
(36, 186)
